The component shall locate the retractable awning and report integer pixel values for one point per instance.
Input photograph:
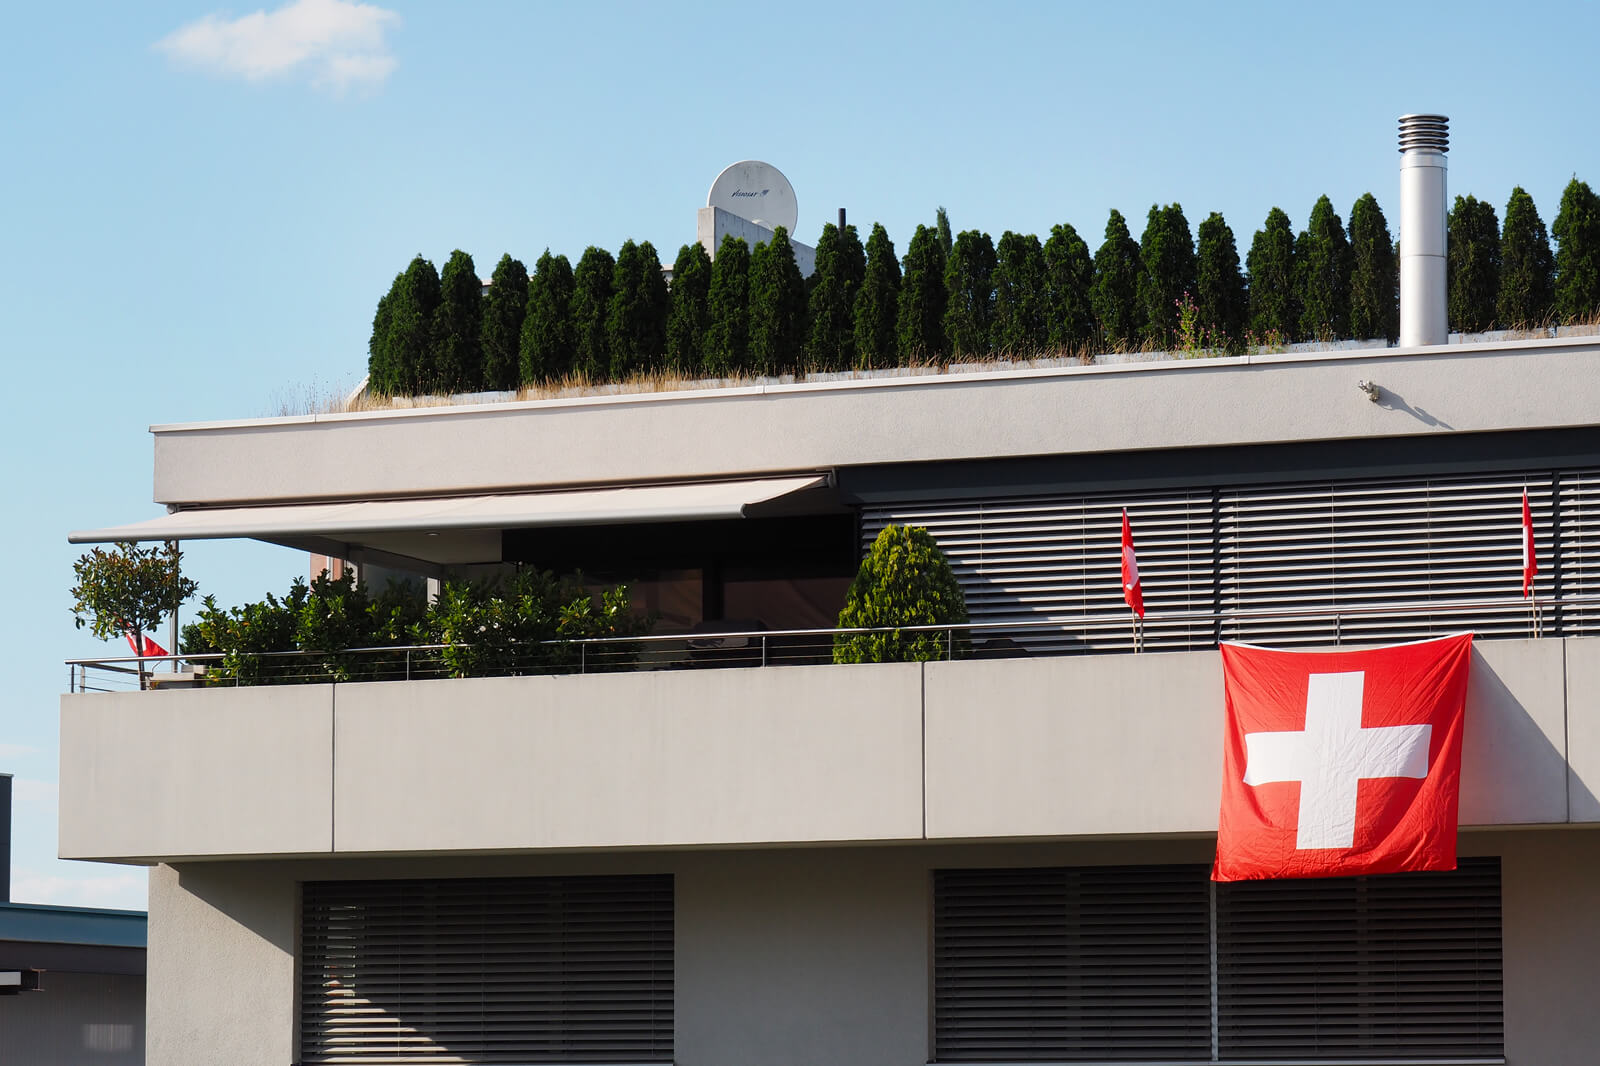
(357, 521)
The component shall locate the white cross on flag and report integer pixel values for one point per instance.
(1341, 763)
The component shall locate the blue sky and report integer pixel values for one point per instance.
(202, 205)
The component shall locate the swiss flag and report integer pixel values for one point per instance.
(1341, 763)
(1132, 589)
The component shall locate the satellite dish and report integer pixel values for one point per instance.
(756, 191)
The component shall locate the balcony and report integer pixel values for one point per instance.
(1101, 745)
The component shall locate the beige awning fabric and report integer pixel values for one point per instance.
(349, 521)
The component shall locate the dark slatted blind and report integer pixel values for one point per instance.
(1144, 963)
(1353, 544)
(1579, 533)
(503, 970)
(1399, 966)
(1071, 965)
(1059, 559)
(1322, 547)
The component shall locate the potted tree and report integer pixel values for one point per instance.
(126, 591)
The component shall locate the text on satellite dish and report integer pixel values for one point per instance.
(741, 192)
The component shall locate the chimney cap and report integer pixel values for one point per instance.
(1426, 132)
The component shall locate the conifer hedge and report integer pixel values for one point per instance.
(748, 311)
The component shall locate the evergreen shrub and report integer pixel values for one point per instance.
(904, 580)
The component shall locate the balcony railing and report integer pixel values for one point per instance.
(1086, 634)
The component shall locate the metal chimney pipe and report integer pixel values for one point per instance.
(1424, 301)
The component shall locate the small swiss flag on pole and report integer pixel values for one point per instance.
(1132, 590)
(150, 649)
(1341, 763)
(1530, 558)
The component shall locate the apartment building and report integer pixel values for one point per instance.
(1002, 857)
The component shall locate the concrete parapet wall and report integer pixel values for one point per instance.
(1092, 746)
(764, 429)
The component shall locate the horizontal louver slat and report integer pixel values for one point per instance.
(1071, 965)
(1399, 966)
(500, 970)
(1115, 963)
(1324, 547)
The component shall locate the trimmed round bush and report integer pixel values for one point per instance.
(904, 580)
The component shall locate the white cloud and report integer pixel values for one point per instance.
(335, 44)
(128, 890)
(9, 752)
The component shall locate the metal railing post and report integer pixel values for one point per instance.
(583, 658)
(763, 649)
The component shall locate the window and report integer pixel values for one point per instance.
(1156, 964)
(526, 970)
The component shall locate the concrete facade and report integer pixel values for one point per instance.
(796, 956)
(802, 811)
(797, 755)
(780, 428)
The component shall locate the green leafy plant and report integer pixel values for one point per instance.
(1322, 268)
(1116, 282)
(1069, 310)
(1220, 290)
(841, 269)
(1167, 270)
(1576, 228)
(904, 580)
(727, 343)
(127, 590)
(1527, 285)
(1473, 264)
(504, 309)
(241, 634)
(636, 320)
(1196, 339)
(521, 624)
(919, 323)
(549, 333)
(1374, 275)
(877, 303)
(689, 309)
(1273, 306)
(1021, 295)
(777, 306)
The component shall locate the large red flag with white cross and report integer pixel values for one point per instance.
(1341, 763)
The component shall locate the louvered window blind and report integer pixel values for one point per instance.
(502, 970)
(1092, 964)
(1240, 551)
(1155, 964)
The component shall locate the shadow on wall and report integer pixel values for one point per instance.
(1511, 770)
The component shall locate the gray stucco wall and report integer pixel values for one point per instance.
(799, 956)
(764, 429)
(76, 1019)
(221, 965)
(980, 749)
